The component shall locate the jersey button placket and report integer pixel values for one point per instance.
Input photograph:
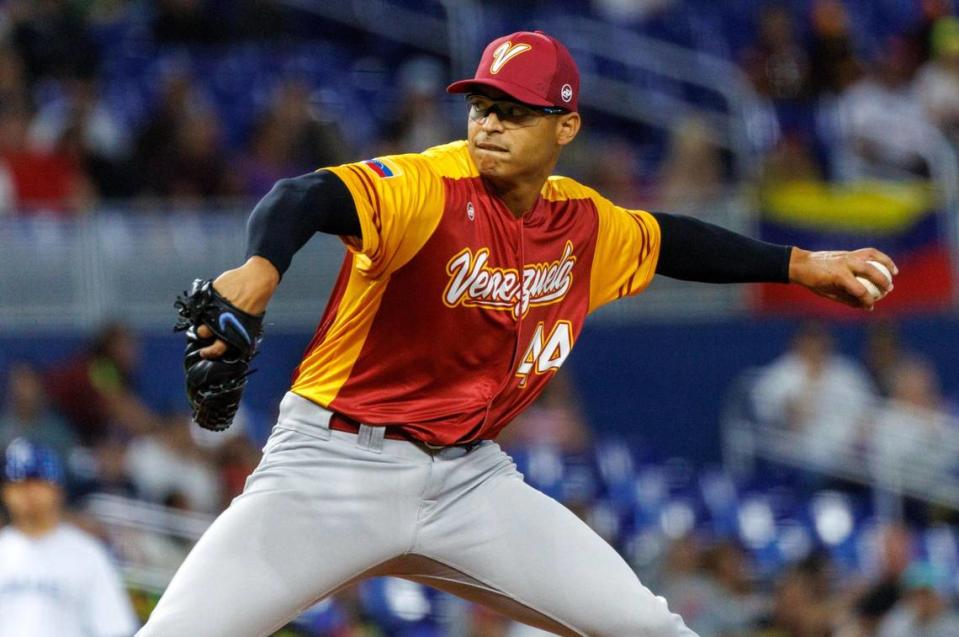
(517, 327)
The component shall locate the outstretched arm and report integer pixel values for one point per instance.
(693, 250)
(280, 224)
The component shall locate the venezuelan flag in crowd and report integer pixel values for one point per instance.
(904, 220)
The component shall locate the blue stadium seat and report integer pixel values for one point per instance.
(400, 607)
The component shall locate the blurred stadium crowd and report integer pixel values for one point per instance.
(190, 103)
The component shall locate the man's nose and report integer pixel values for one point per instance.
(492, 122)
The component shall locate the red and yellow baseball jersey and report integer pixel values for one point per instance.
(451, 314)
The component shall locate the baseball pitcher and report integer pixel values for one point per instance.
(468, 276)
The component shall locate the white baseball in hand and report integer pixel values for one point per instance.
(874, 291)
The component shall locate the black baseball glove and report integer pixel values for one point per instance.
(214, 386)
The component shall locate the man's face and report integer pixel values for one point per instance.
(30, 500)
(508, 140)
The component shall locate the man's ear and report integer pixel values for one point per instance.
(567, 128)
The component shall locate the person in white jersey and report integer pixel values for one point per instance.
(55, 580)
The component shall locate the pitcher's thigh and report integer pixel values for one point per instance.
(512, 539)
(314, 516)
(253, 570)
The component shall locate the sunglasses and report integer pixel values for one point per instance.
(510, 114)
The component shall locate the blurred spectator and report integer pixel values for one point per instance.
(179, 150)
(681, 571)
(189, 21)
(315, 139)
(51, 36)
(14, 93)
(7, 190)
(80, 105)
(155, 142)
(797, 609)
(555, 419)
(102, 143)
(268, 158)
(26, 414)
(618, 176)
(43, 182)
(192, 169)
(779, 67)
(830, 602)
(792, 160)
(883, 354)
(691, 177)
(924, 611)
(913, 442)
(711, 589)
(55, 580)
(893, 553)
(421, 121)
(231, 452)
(102, 469)
(630, 11)
(236, 460)
(167, 467)
(882, 125)
(919, 36)
(868, 612)
(818, 394)
(833, 63)
(94, 390)
(937, 84)
(291, 138)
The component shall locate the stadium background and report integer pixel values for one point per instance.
(135, 136)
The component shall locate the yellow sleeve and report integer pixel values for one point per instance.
(399, 200)
(627, 249)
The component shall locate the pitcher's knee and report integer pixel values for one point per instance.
(649, 620)
(159, 625)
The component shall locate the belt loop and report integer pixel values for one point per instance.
(324, 420)
(371, 438)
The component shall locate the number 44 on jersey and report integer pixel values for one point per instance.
(546, 353)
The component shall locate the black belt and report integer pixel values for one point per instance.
(339, 422)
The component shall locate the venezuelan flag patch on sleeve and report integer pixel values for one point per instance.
(381, 168)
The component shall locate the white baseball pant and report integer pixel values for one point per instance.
(327, 508)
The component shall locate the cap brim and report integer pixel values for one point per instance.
(518, 93)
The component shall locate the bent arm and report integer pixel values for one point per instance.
(293, 211)
(280, 224)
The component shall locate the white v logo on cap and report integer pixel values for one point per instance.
(504, 53)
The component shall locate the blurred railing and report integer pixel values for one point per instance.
(150, 541)
(898, 450)
(658, 75)
(659, 71)
(453, 35)
(69, 274)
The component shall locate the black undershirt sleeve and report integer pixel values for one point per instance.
(296, 208)
(693, 250)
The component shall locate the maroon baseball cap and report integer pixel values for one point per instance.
(529, 66)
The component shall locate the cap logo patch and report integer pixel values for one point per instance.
(566, 92)
(504, 53)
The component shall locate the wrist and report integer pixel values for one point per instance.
(797, 260)
(263, 273)
(250, 286)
